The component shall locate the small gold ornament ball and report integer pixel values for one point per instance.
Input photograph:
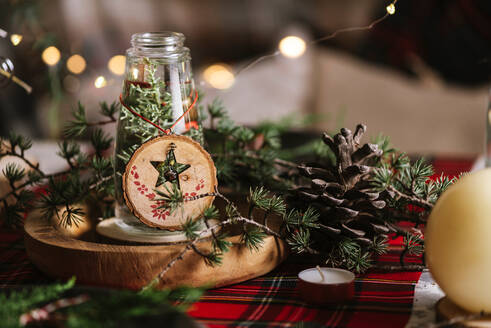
(458, 242)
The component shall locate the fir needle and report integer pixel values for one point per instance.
(21, 83)
(320, 272)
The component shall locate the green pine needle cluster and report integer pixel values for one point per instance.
(151, 102)
(16, 303)
(409, 184)
(243, 156)
(252, 233)
(172, 198)
(305, 234)
(88, 177)
(116, 308)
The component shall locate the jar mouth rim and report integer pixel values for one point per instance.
(155, 39)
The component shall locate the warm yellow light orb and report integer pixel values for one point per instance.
(76, 64)
(117, 64)
(219, 76)
(292, 46)
(15, 39)
(458, 243)
(391, 9)
(100, 82)
(51, 56)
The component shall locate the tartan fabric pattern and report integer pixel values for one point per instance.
(15, 267)
(382, 299)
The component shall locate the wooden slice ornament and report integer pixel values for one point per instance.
(165, 164)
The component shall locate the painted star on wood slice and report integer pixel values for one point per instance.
(169, 169)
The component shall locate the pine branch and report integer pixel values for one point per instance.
(411, 199)
(102, 122)
(48, 305)
(189, 246)
(79, 125)
(246, 220)
(201, 235)
(17, 303)
(26, 160)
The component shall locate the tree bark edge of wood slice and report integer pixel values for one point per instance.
(134, 266)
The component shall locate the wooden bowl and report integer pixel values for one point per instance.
(97, 262)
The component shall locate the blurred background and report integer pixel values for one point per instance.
(421, 76)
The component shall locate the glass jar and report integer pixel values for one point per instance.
(158, 88)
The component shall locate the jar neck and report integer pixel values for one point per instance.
(166, 45)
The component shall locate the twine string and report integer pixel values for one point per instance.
(165, 131)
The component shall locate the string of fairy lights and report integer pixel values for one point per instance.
(219, 75)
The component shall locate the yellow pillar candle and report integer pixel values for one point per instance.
(458, 242)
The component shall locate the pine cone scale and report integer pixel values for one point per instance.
(342, 194)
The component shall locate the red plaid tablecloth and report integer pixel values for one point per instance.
(381, 299)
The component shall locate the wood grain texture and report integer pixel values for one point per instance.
(133, 266)
(140, 177)
(447, 310)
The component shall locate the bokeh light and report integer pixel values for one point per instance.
(100, 82)
(15, 39)
(117, 64)
(292, 46)
(51, 56)
(76, 64)
(391, 9)
(219, 76)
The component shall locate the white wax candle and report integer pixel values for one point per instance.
(331, 276)
(458, 243)
(177, 107)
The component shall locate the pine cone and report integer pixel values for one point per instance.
(341, 193)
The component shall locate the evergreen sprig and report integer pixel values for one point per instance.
(116, 308)
(149, 101)
(252, 233)
(171, 199)
(88, 177)
(409, 184)
(16, 303)
(79, 124)
(245, 157)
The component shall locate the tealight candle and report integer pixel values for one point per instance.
(326, 285)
